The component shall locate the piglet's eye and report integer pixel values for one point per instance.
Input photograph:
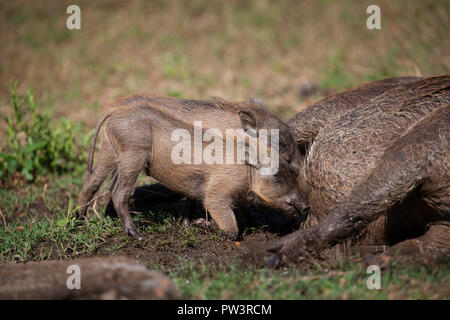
(287, 158)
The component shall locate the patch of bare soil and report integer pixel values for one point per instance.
(213, 253)
(176, 244)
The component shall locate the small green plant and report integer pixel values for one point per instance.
(37, 145)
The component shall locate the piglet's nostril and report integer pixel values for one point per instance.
(291, 199)
(302, 207)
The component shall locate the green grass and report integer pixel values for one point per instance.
(347, 282)
(174, 93)
(51, 191)
(60, 237)
(336, 76)
(33, 233)
(57, 235)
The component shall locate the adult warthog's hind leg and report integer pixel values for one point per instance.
(435, 242)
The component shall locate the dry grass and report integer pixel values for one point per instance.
(233, 49)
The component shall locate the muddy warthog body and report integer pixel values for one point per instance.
(137, 136)
(416, 162)
(308, 123)
(348, 150)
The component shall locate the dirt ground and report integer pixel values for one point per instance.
(215, 250)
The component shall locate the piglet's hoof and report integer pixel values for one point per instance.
(204, 224)
(132, 231)
(213, 227)
(80, 215)
(186, 222)
(232, 235)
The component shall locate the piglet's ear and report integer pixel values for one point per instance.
(259, 103)
(256, 100)
(248, 120)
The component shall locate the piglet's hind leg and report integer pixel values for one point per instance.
(129, 167)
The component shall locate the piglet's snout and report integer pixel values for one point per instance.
(300, 205)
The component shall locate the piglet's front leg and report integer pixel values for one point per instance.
(220, 209)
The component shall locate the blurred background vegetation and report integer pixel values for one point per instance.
(234, 49)
(287, 53)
